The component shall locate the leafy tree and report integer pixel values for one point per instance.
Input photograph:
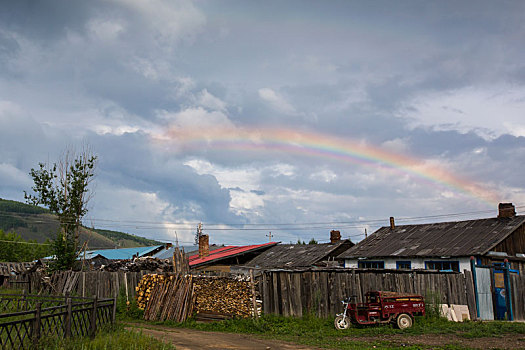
(63, 189)
(13, 248)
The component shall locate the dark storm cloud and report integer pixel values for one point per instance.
(128, 161)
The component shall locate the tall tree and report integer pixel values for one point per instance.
(64, 189)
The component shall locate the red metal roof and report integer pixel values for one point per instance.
(227, 252)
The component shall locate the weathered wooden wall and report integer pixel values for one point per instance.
(296, 293)
(88, 284)
(517, 286)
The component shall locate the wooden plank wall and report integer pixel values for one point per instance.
(89, 284)
(517, 286)
(296, 293)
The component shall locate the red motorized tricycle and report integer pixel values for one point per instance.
(381, 307)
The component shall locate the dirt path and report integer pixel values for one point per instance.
(190, 339)
(507, 341)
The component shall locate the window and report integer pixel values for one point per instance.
(403, 265)
(442, 265)
(371, 264)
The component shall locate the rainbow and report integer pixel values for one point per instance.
(314, 144)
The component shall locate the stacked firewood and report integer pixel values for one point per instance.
(171, 300)
(225, 296)
(146, 286)
(205, 295)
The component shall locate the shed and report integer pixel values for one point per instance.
(299, 255)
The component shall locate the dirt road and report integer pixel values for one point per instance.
(190, 339)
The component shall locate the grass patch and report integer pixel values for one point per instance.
(111, 338)
(314, 331)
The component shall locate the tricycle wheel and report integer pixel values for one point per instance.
(342, 323)
(404, 321)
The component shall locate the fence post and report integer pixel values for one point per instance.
(36, 325)
(254, 301)
(24, 305)
(508, 291)
(93, 323)
(68, 317)
(114, 310)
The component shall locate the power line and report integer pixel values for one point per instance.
(255, 226)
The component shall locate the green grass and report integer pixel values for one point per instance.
(114, 338)
(320, 332)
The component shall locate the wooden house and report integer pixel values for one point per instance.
(223, 258)
(287, 256)
(444, 245)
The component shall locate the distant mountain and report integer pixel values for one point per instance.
(33, 222)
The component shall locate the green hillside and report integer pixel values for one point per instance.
(36, 223)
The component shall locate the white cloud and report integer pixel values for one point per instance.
(168, 21)
(196, 117)
(489, 111)
(207, 100)
(241, 181)
(14, 176)
(246, 203)
(245, 178)
(398, 145)
(139, 212)
(106, 30)
(278, 102)
(282, 170)
(324, 175)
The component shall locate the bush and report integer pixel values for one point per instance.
(432, 305)
(127, 310)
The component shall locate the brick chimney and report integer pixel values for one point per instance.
(392, 223)
(335, 236)
(506, 210)
(204, 246)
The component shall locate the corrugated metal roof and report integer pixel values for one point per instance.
(226, 252)
(120, 254)
(294, 255)
(459, 238)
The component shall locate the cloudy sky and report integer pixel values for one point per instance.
(293, 117)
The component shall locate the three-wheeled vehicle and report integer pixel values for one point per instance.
(381, 307)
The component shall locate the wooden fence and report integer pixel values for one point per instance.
(517, 286)
(296, 293)
(293, 292)
(25, 319)
(99, 284)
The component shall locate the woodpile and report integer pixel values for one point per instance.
(172, 300)
(224, 296)
(172, 297)
(146, 286)
(181, 262)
